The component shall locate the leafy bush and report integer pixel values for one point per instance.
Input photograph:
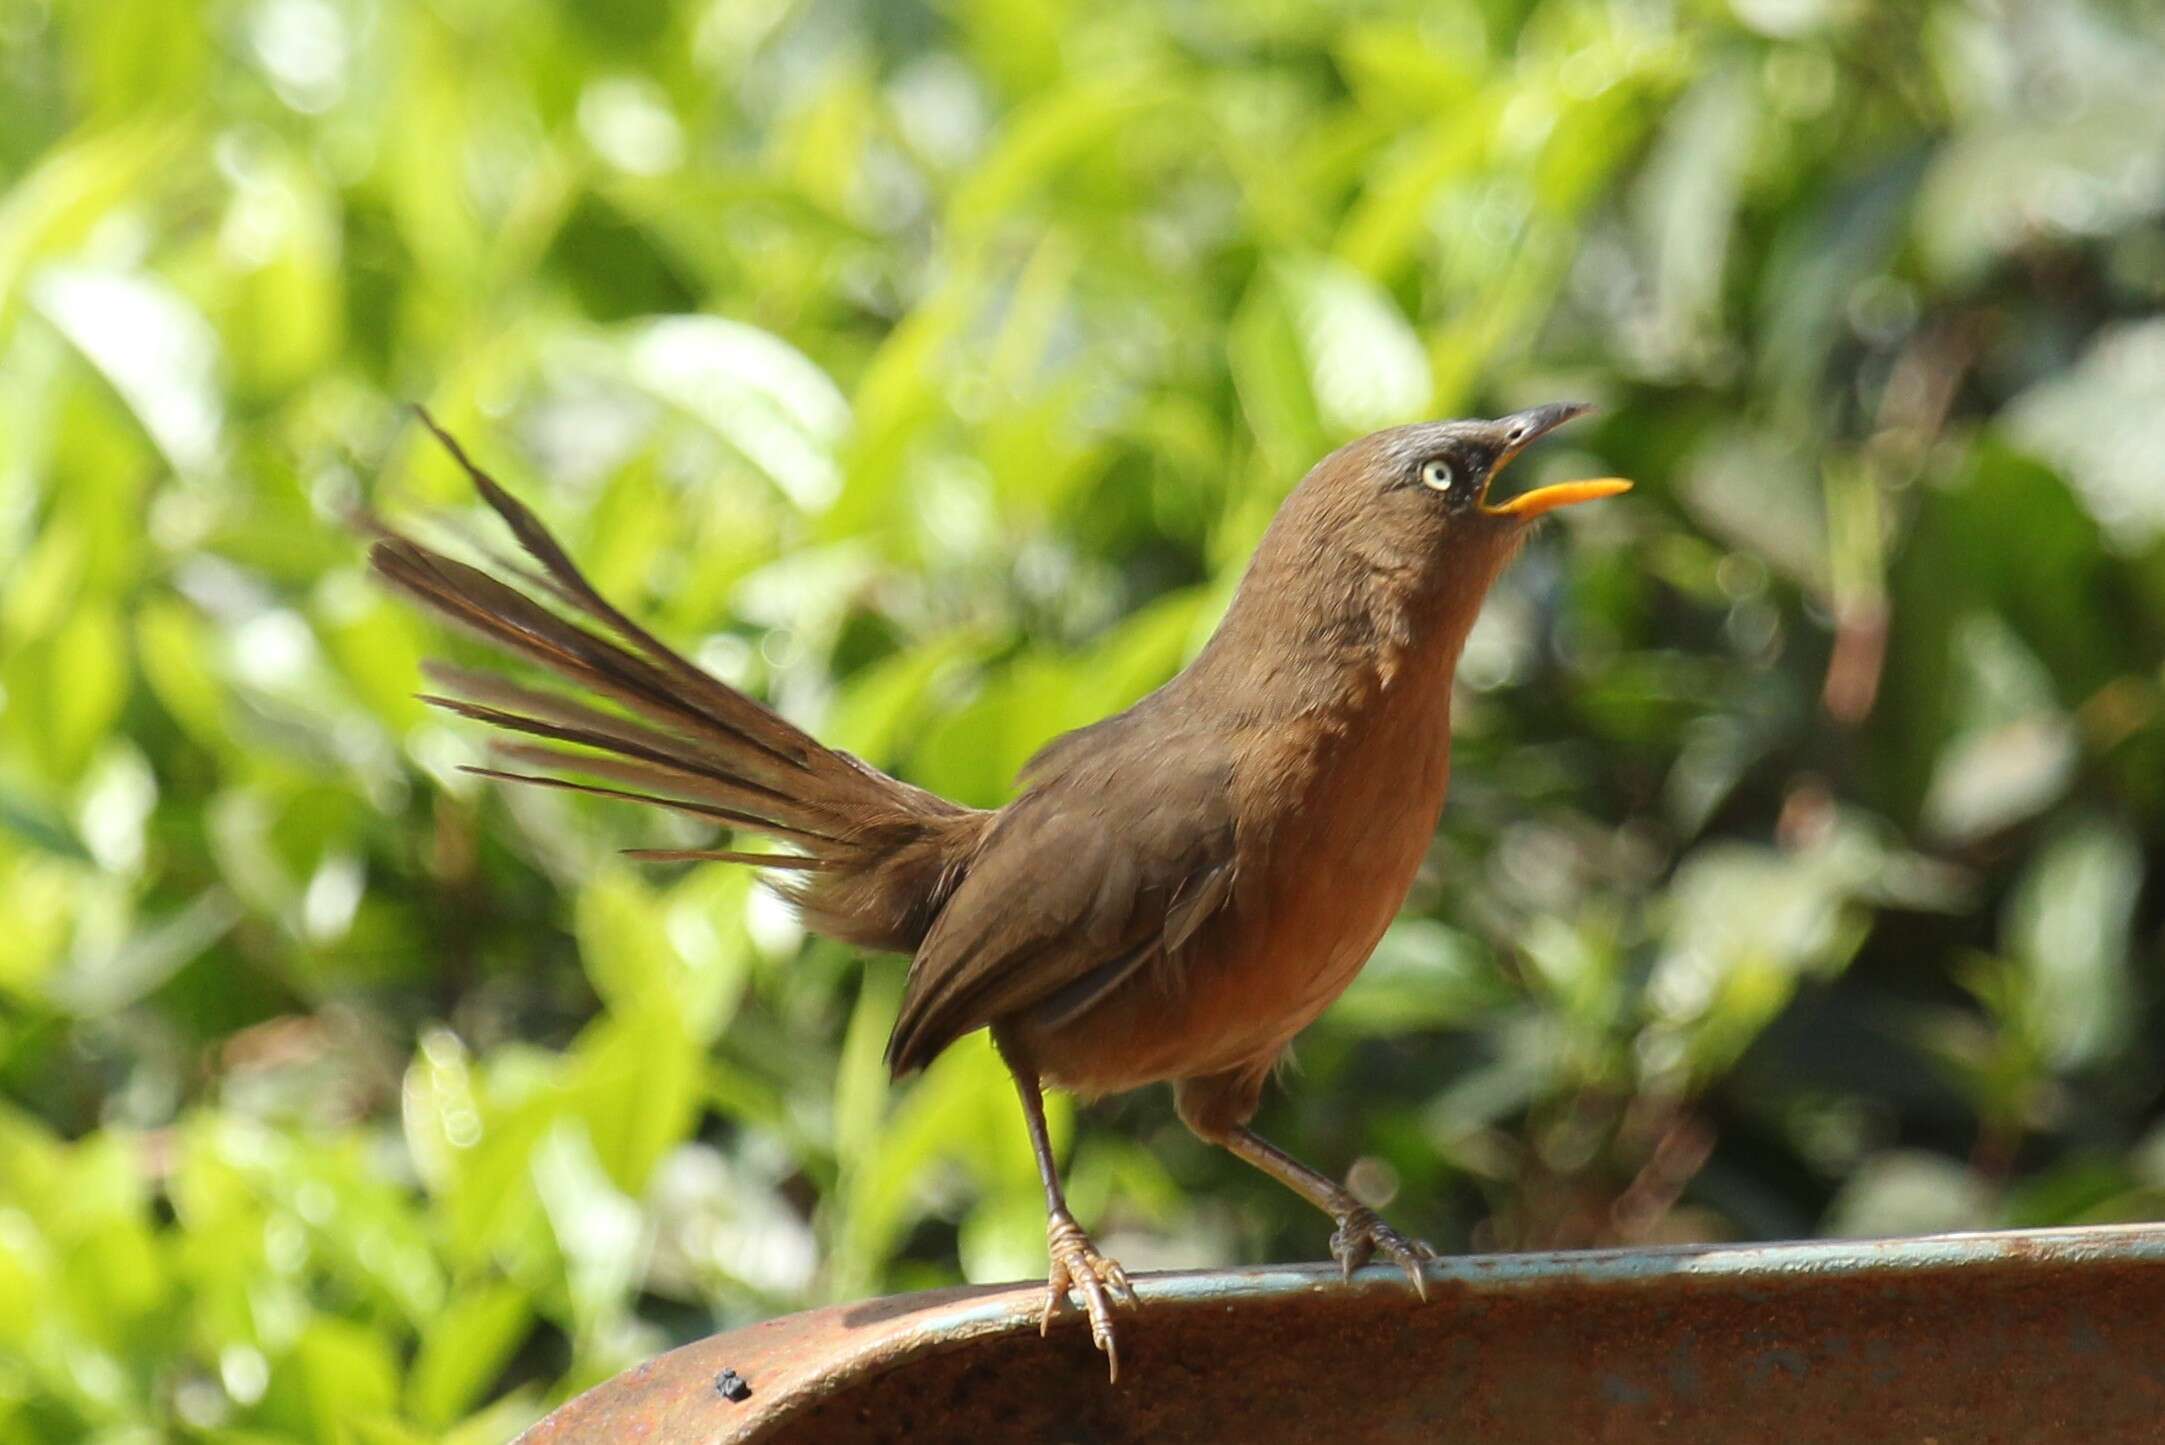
(931, 369)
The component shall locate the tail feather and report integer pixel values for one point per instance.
(875, 858)
(511, 620)
(757, 724)
(652, 761)
(726, 817)
(721, 855)
(726, 802)
(546, 714)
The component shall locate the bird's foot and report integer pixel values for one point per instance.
(1078, 1265)
(1360, 1234)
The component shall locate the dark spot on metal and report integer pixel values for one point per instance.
(1790, 1360)
(1682, 1373)
(733, 1387)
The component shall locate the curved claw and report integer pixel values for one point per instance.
(1116, 1278)
(1077, 1265)
(1360, 1234)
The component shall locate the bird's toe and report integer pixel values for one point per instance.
(1361, 1235)
(1079, 1266)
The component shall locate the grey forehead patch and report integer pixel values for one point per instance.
(1407, 445)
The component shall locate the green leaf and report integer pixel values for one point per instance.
(622, 941)
(2098, 422)
(50, 210)
(2014, 752)
(1423, 975)
(170, 646)
(760, 395)
(599, 1231)
(66, 690)
(685, 951)
(1322, 354)
(2069, 923)
(1909, 1192)
(108, 980)
(346, 1371)
(464, 1348)
(636, 1081)
(152, 345)
(879, 705)
(1068, 125)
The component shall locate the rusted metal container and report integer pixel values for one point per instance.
(2025, 1337)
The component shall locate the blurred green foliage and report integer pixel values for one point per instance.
(930, 367)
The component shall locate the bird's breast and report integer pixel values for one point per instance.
(1345, 852)
(1337, 811)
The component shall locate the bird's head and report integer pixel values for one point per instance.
(1450, 467)
(1416, 501)
(1388, 543)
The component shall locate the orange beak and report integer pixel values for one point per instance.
(1529, 505)
(1521, 430)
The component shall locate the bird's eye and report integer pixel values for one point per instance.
(1436, 475)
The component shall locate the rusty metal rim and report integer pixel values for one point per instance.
(795, 1363)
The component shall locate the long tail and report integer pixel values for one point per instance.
(873, 858)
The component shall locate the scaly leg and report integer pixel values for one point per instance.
(1076, 1262)
(1359, 1234)
(1218, 1107)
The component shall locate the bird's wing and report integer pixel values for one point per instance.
(1106, 868)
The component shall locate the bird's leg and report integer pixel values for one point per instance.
(1218, 1107)
(1077, 1263)
(1359, 1234)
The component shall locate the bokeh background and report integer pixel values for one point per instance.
(930, 367)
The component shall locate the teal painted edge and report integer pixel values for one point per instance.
(1778, 1263)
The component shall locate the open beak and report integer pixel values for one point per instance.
(1520, 431)
(1528, 505)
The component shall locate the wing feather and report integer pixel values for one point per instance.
(1085, 879)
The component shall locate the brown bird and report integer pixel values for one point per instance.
(1176, 891)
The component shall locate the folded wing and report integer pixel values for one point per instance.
(1093, 875)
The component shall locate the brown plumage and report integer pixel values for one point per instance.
(1176, 891)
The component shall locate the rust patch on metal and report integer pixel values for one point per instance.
(2034, 1338)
